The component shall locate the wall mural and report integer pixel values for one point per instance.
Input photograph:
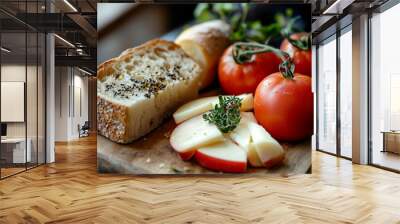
(205, 89)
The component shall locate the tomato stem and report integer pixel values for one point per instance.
(243, 52)
(304, 43)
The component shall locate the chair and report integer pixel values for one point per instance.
(84, 130)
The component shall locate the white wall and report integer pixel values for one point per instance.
(12, 73)
(33, 127)
(61, 103)
(80, 109)
(70, 83)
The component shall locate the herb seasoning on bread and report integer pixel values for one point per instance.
(138, 89)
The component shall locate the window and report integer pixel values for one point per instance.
(22, 75)
(346, 92)
(385, 89)
(327, 96)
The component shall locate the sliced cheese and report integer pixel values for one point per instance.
(202, 105)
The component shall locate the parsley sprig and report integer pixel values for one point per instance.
(226, 114)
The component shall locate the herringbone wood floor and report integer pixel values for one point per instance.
(70, 191)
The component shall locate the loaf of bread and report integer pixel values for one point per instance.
(206, 43)
(142, 86)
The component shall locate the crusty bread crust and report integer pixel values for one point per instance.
(113, 118)
(210, 39)
(106, 68)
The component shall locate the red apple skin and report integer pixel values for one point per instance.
(184, 155)
(275, 161)
(187, 155)
(219, 164)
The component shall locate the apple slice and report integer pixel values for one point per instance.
(241, 136)
(248, 116)
(252, 156)
(192, 134)
(202, 105)
(194, 108)
(247, 102)
(224, 156)
(268, 149)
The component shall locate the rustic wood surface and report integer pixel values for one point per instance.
(71, 191)
(154, 155)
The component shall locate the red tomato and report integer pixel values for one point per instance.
(301, 58)
(284, 106)
(244, 78)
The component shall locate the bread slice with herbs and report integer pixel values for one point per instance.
(139, 89)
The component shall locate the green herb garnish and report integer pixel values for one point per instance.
(226, 114)
(244, 30)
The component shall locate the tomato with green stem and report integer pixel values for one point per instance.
(299, 49)
(284, 106)
(283, 101)
(237, 78)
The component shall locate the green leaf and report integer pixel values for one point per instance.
(255, 25)
(223, 7)
(236, 36)
(280, 19)
(289, 12)
(202, 12)
(235, 21)
(255, 35)
(200, 9)
(223, 10)
(235, 14)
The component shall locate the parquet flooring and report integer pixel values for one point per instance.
(71, 191)
(11, 170)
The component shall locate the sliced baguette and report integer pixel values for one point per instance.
(205, 43)
(142, 86)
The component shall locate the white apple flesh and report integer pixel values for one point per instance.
(252, 156)
(192, 134)
(268, 149)
(241, 136)
(224, 156)
(248, 116)
(202, 105)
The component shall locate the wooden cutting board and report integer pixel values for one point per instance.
(153, 154)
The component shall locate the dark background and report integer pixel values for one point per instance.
(143, 22)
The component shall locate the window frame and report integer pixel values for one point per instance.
(333, 37)
(31, 30)
(381, 9)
